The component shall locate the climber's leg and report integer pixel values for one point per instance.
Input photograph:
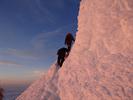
(62, 60)
(58, 60)
(69, 48)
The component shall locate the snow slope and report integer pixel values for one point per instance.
(100, 65)
(44, 88)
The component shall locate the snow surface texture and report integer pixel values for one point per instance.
(100, 65)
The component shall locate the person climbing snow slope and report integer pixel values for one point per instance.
(62, 52)
(69, 40)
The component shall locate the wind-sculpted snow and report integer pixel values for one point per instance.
(100, 65)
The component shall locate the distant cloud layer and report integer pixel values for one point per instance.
(8, 63)
(19, 53)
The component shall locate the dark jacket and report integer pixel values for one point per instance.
(62, 52)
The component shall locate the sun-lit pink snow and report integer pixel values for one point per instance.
(100, 65)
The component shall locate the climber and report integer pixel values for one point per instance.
(68, 41)
(62, 52)
(1, 93)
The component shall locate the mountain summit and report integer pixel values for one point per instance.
(100, 64)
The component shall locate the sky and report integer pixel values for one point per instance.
(31, 32)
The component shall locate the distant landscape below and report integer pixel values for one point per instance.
(12, 91)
